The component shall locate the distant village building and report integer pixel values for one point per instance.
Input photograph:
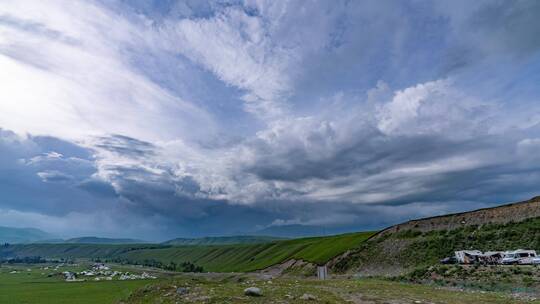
(100, 266)
(70, 276)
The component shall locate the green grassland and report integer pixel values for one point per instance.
(31, 285)
(223, 258)
(502, 278)
(36, 287)
(242, 258)
(222, 240)
(229, 289)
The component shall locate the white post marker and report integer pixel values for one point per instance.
(322, 272)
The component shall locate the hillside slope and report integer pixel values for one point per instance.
(240, 258)
(223, 258)
(297, 231)
(222, 240)
(424, 242)
(100, 240)
(513, 212)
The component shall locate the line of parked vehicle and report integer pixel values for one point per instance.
(514, 257)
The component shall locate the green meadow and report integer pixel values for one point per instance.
(215, 258)
(229, 289)
(243, 258)
(35, 286)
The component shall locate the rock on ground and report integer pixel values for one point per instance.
(253, 292)
(308, 297)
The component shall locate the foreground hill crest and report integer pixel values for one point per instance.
(418, 243)
(514, 212)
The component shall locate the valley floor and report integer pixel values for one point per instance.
(43, 284)
(229, 289)
(36, 284)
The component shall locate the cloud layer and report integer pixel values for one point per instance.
(162, 119)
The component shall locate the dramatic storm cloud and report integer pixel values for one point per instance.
(157, 119)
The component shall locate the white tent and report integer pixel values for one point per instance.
(468, 256)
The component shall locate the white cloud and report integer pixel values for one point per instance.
(437, 107)
(529, 149)
(54, 176)
(237, 48)
(65, 71)
(405, 105)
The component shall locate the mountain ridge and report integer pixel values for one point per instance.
(22, 235)
(103, 240)
(222, 240)
(515, 211)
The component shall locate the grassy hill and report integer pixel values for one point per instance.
(99, 240)
(297, 231)
(398, 250)
(222, 240)
(223, 258)
(239, 258)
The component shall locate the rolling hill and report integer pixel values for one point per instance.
(395, 250)
(218, 258)
(423, 242)
(222, 240)
(99, 240)
(240, 258)
(22, 235)
(295, 231)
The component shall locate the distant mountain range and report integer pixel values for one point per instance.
(22, 235)
(222, 240)
(33, 235)
(269, 234)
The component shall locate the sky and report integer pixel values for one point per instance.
(161, 119)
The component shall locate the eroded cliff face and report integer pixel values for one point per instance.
(515, 212)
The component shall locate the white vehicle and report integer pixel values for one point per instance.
(519, 256)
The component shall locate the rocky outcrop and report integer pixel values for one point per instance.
(515, 212)
(293, 267)
(253, 292)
